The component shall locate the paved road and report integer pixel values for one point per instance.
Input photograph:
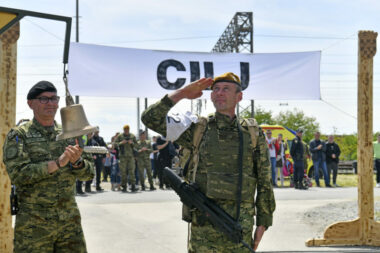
(114, 222)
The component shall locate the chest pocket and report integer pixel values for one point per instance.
(41, 149)
(38, 149)
(219, 163)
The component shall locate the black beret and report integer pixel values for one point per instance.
(38, 88)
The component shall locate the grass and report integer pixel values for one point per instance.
(350, 180)
(343, 180)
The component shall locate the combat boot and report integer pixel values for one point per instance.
(152, 188)
(80, 192)
(124, 188)
(296, 185)
(134, 189)
(143, 187)
(88, 188)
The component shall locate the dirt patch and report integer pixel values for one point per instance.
(321, 217)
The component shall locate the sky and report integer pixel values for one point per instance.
(330, 26)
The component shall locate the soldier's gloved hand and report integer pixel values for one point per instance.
(259, 232)
(130, 141)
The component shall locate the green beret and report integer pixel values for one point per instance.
(228, 77)
(40, 87)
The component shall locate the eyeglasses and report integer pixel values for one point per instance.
(45, 100)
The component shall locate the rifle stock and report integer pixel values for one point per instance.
(193, 198)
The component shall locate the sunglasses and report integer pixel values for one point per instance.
(45, 100)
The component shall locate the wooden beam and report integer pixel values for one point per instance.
(8, 68)
(364, 230)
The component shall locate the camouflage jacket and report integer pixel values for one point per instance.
(27, 150)
(144, 154)
(221, 157)
(126, 150)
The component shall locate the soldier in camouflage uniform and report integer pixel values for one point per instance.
(126, 143)
(44, 171)
(144, 148)
(218, 164)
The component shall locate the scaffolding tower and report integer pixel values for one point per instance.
(238, 36)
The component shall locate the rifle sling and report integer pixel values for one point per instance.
(240, 168)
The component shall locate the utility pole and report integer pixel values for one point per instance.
(77, 36)
(77, 21)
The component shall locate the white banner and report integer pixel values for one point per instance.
(125, 72)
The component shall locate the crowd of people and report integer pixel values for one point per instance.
(223, 167)
(129, 161)
(324, 156)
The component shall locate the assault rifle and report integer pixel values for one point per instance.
(192, 197)
(122, 150)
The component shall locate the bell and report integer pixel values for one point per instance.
(74, 122)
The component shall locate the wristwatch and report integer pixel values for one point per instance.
(78, 163)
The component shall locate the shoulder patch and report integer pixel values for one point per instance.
(12, 134)
(11, 152)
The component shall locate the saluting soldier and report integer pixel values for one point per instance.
(144, 148)
(218, 167)
(126, 143)
(44, 171)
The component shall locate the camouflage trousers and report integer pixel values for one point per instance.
(49, 230)
(127, 167)
(143, 164)
(204, 238)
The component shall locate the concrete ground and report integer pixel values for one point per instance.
(148, 221)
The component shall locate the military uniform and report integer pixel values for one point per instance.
(217, 177)
(143, 162)
(48, 219)
(127, 159)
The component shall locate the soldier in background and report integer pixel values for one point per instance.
(217, 170)
(44, 171)
(144, 148)
(126, 144)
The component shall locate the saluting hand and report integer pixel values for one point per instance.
(191, 91)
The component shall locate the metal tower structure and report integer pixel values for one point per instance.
(238, 36)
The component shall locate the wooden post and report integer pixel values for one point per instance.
(363, 230)
(8, 68)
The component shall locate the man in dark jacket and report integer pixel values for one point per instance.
(332, 158)
(297, 152)
(318, 155)
(96, 140)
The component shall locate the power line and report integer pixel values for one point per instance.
(338, 41)
(302, 37)
(204, 37)
(337, 108)
(43, 29)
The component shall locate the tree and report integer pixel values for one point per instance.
(262, 116)
(297, 119)
(348, 145)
